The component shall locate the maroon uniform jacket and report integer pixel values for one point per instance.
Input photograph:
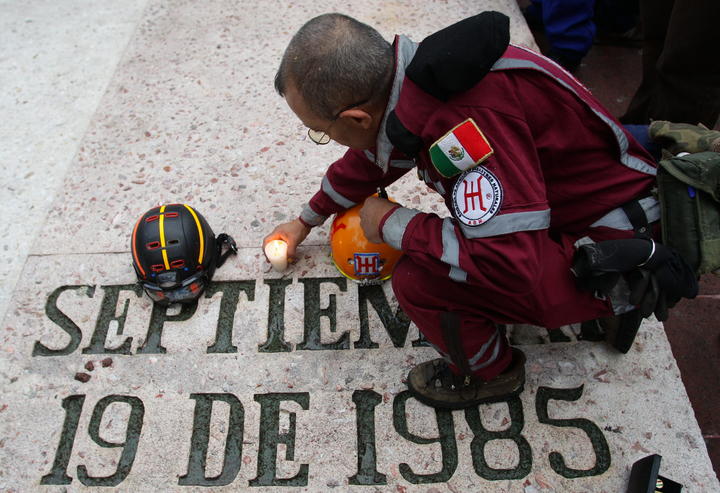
(561, 167)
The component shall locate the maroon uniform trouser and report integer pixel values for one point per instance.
(424, 297)
(425, 294)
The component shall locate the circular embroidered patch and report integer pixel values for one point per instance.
(477, 196)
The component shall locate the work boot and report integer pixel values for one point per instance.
(434, 384)
(620, 330)
(682, 137)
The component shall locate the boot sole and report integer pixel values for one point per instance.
(463, 405)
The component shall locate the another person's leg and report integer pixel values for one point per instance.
(689, 66)
(654, 18)
(617, 22)
(570, 29)
(681, 70)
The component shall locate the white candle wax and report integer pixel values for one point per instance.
(276, 252)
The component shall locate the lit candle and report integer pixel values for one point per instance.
(276, 252)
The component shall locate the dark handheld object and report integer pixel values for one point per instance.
(644, 477)
(657, 275)
(175, 253)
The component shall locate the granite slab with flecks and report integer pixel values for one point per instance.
(295, 382)
(278, 382)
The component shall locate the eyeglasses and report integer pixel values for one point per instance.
(321, 137)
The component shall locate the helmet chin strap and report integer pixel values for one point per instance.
(225, 239)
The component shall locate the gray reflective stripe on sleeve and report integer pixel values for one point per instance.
(651, 206)
(451, 251)
(402, 163)
(617, 219)
(630, 161)
(509, 223)
(395, 225)
(336, 197)
(625, 158)
(311, 217)
(495, 342)
(369, 155)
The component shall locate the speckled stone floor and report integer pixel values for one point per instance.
(276, 382)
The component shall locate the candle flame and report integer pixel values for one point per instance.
(276, 249)
(276, 252)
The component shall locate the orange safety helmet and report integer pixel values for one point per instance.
(354, 256)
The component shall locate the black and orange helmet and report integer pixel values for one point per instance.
(175, 253)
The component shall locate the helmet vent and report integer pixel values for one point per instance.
(154, 245)
(171, 214)
(173, 242)
(151, 219)
(158, 268)
(176, 264)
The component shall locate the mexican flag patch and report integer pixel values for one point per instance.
(461, 148)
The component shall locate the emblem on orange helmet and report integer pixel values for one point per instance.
(354, 256)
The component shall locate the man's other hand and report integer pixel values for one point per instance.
(292, 233)
(372, 212)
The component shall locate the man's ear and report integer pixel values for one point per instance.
(357, 117)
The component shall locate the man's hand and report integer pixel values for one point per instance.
(293, 233)
(372, 212)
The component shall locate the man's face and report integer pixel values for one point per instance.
(345, 130)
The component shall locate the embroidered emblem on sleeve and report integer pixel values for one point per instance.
(461, 148)
(477, 196)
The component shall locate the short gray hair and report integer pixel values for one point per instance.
(335, 60)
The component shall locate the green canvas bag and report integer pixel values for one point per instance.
(689, 194)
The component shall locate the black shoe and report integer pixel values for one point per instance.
(434, 384)
(569, 60)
